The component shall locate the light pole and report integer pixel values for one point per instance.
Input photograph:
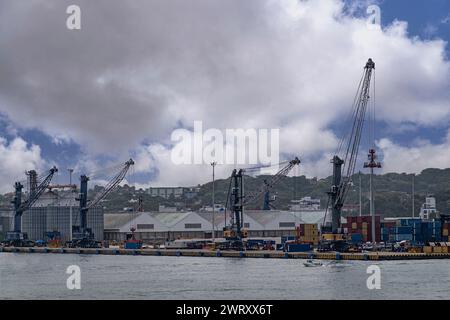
(413, 193)
(213, 164)
(70, 175)
(360, 197)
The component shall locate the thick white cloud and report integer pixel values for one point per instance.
(423, 154)
(16, 157)
(139, 69)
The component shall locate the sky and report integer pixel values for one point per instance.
(138, 70)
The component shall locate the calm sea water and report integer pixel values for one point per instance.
(43, 276)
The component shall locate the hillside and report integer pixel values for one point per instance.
(392, 193)
(392, 197)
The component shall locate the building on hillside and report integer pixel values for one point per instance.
(305, 203)
(175, 192)
(190, 193)
(217, 208)
(166, 192)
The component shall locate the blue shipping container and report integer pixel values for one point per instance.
(402, 237)
(356, 237)
(403, 230)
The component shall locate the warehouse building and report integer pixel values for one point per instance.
(58, 210)
(157, 227)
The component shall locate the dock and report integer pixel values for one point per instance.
(269, 254)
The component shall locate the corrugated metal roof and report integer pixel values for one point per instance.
(265, 217)
(170, 218)
(118, 220)
(313, 216)
(219, 217)
(262, 217)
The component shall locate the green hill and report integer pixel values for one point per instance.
(392, 193)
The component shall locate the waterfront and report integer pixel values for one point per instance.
(43, 276)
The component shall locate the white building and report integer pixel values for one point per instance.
(217, 208)
(429, 207)
(305, 203)
(157, 227)
(166, 192)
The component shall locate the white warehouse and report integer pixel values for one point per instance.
(156, 227)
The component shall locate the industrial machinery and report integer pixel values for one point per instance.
(131, 242)
(344, 162)
(82, 236)
(267, 198)
(16, 237)
(53, 239)
(235, 232)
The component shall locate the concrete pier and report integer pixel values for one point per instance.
(234, 254)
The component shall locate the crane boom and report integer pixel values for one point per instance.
(270, 183)
(344, 166)
(114, 182)
(39, 190)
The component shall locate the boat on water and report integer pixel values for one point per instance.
(312, 263)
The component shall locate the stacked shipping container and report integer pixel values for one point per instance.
(363, 225)
(411, 229)
(445, 232)
(308, 233)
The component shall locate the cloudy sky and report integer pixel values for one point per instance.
(139, 69)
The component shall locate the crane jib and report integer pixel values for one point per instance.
(344, 167)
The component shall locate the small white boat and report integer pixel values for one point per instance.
(312, 263)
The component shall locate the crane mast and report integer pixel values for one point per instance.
(344, 166)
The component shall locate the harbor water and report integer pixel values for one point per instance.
(43, 276)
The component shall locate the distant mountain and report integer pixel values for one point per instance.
(392, 193)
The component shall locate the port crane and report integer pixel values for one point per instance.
(82, 236)
(234, 232)
(344, 161)
(16, 237)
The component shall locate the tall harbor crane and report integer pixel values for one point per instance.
(82, 236)
(17, 237)
(344, 161)
(234, 232)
